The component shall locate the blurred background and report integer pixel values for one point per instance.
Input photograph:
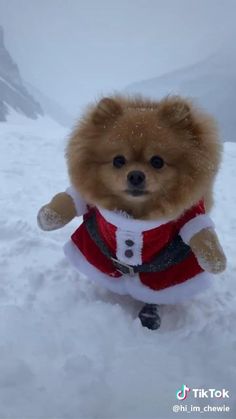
(57, 55)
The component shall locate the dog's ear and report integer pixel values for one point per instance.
(175, 111)
(107, 109)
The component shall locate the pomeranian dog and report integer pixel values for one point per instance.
(142, 174)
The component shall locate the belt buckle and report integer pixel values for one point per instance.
(118, 264)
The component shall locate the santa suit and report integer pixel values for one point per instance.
(135, 242)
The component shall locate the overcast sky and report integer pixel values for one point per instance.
(76, 50)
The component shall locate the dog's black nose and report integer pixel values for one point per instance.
(136, 178)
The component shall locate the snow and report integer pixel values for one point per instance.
(71, 350)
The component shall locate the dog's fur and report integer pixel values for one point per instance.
(173, 128)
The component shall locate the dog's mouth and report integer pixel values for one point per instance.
(136, 192)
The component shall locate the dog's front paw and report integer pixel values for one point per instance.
(49, 220)
(215, 265)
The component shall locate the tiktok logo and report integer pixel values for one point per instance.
(182, 394)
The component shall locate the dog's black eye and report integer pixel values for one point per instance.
(119, 161)
(157, 162)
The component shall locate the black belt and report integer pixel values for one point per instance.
(175, 252)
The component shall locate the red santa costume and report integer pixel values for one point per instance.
(135, 243)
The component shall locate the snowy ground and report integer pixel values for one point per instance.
(70, 350)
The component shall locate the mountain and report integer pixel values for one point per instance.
(51, 107)
(13, 93)
(212, 82)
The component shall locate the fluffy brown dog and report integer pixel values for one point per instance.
(184, 140)
(151, 162)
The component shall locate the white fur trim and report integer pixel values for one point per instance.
(137, 239)
(124, 222)
(80, 204)
(195, 225)
(127, 285)
(171, 295)
(80, 262)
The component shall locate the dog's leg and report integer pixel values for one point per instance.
(149, 316)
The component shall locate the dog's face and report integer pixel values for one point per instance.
(150, 159)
